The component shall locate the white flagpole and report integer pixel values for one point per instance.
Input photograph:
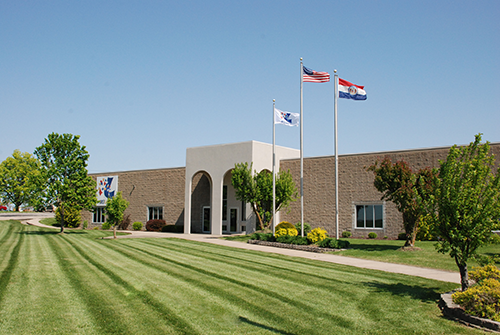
(335, 98)
(301, 152)
(274, 167)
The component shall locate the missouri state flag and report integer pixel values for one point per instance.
(348, 90)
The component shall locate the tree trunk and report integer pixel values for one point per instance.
(410, 230)
(62, 219)
(464, 275)
(114, 231)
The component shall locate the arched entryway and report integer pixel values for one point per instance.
(201, 203)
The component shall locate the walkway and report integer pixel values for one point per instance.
(452, 277)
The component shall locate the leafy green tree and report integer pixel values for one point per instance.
(465, 207)
(257, 189)
(408, 190)
(64, 166)
(20, 179)
(115, 207)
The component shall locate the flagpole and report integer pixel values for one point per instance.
(301, 151)
(335, 98)
(274, 166)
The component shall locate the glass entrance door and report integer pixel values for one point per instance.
(206, 219)
(233, 220)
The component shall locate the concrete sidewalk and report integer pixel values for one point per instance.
(446, 276)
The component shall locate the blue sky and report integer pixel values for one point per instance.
(141, 81)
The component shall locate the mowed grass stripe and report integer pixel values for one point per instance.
(163, 312)
(224, 298)
(33, 295)
(244, 267)
(367, 283)
(10, 247)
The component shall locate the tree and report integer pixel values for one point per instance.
(257, 189)
(115, 207)
(408, 190)
(64, 166)
(20, 178)
(465, 207)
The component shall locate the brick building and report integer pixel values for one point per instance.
(203, 189)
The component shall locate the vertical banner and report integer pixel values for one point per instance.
(107, 187)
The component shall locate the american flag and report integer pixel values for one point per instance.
(310, 76)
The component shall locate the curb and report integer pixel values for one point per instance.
(293, 246)
(455, 312)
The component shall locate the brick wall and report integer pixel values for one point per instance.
(355, 187)
(143, 188)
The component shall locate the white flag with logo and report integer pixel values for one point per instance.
(289, 119)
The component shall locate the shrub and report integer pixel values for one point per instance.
(106, 226)
(155, 225)
(317, 235)
(263, 237)
(299, 240)
(402, 236)
(85, 224)
(95, 228)
(125, 223)
(307, 228)
(137, 225)
(72, 217)
(346, 234)
(170, 228)
(481, 300)
(286, 231)
(372, 235)
(494, 239)
(333, 243)
(479, 274)
(284, 224)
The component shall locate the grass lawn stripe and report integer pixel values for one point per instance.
(267, 292)
(147, 299)
(11, 246)
(206, 281)
(32, 298)
(370, 302)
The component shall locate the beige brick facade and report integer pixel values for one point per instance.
(166, 188)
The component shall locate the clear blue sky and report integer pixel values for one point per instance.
(141, 81)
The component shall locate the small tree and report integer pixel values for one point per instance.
(257, 189)
(115, 207)
(466, 205)
(64, 168)
(408, 190)
(20, 179)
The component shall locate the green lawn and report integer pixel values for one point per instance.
(389, 251)
(78, 283)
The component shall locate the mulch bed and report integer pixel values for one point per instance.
(310, 248)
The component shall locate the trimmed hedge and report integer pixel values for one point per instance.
(333, 243)
(155, 225)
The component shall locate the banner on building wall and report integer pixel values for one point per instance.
(107, 187)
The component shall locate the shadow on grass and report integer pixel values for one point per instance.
(373, 247)
(271, 329)
(425, 294)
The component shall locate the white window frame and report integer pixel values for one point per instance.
(355, 215)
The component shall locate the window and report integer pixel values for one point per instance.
(99, 216)
(369, 216)
(155, 213)
(224, 203)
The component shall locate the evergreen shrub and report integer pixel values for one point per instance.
(137, 225)
(307, 228)
(346, 234)
(316, 235)
(372, 235)
(106, 226)
(298, 240)
(72, 217)
(155, 225)
(333, 243)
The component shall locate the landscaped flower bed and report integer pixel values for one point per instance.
(316, 241)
